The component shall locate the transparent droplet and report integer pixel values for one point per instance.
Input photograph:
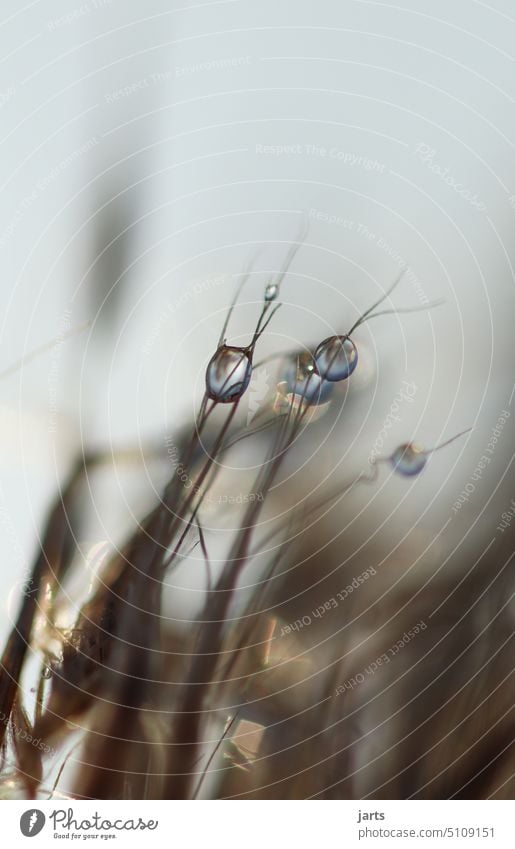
(271, 292)
(336, 358)
(303, 380)
(228, 374)
(47, 672)
(409, 459)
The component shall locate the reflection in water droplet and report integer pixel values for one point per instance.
(302, 380)
(336, 358)
(271, 292)
(409, 459)
(228, 374)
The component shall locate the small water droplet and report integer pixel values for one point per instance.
(336, 358)
(271, 292)
(409, 459)
(303, 380)
(47, 672)
(228, 374)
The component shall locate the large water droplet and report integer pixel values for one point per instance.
(409, 459)
(336, 358)
(228, 374)
(271, 292)
(303, 380)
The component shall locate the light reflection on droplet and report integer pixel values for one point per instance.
(409, 459)
(303, 381)
(336, 358)
(271, 292)
(228, 374)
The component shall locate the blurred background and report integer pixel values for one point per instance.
(148, 151)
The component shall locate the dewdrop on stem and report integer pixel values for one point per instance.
(303, 380)
(337, 356)
(229, 371)
(271, 292)
(228, 374)
(230, 368)
(410, 458)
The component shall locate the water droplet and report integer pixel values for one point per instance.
(271, 292)
(228, 374)
(47, 672)
(409, 459)
(336, 358)
(303, 380)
